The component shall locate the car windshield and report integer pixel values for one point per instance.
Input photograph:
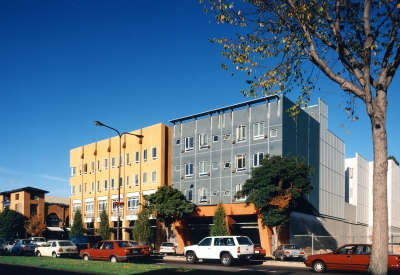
(244, 241)
(167, 244)
(292, 246)
(65, 244)
(25, 241)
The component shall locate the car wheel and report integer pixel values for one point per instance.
(113, 259)
(191, 258)
(38, 254)
(20, 252)
(86, 257)
(54, 255)
(319, 266)
(226, 259)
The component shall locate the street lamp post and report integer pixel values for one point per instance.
(98, 123)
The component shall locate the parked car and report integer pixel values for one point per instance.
(57, 249)
(20, 247)
(354, 257)
(224, 248)
(85, 241)
(288, 251)
(38, 240)
(145, 246)
(259, 252)
(3, 242)
(167, 248)
(112, 250)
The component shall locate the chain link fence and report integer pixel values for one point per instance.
(313, 244)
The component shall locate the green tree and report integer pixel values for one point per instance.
(285, 45)
(11, 223)
(168, 205)
(104, 229)
(276, 188)
(77, 226)
(219, 226)
(142, 229)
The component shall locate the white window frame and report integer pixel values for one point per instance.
(112, 162)
(121, 183)
(92, 187)
(227, 137)
(72, 190)
(133, 203)
(89, 207)
(214, 193)
(98, 165)
(73, 171)
(203, 141)
(154, 153)
(227, 165)
(127, 159)
(85, 168)
(154, 177)
(203, 194)
(214, 165)
(115, 206)
(145, 178)
(100, 205)
(80, 188)
(258, 130)
(257, 157)
(188, 170)
(121, 160)
(76, 206)
(98, 186)
(177, 168)
(189, 143)
(144, 155)
(112, 184)
(127, 181)
(85, 187)
(240, 161)
(203, 168)
(105, 164)
(273, 133)
(189, 195)
(105, 185)
(136, 179)
(241, 133)
(92, 166)
(137, 157)
(80, 169)
(238, 189)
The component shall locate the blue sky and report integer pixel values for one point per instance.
(128, 64)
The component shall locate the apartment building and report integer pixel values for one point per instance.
(94, 179)
(214, 151)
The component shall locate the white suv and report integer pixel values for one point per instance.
(224, 248)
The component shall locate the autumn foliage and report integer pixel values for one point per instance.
(35, 226)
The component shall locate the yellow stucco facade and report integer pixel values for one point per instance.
(145, 165)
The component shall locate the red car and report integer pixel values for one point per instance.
(259, 252)
(353, 257)
(112, 250)
(145, 246)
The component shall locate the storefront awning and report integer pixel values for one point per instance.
(58, 229)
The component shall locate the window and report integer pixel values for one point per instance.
(214, 193)
(137, 157)
(215, 138)
(258, 130)
(227, 193)
(120, 183)
(112, 162)
(72, 171)
(112, 184)
(145, 155)
(121, 160)
(154, 153)
(85, 188)
(144, 178)
(105, 164)
(127, 181)
(188, 170)
(92, 187)
(16, 197)
(227, 137)
(80, 169)
(92, 166)
(273, 133)
(89, 207)
(189, 194)
(188, 143)
(136, 178)
(98, 165)
(72, 190)
(127, 159)
(227, 165)
(115, 205)
(154, 177)
(85, 168)
(76, 207)
(214, 165)
(133, 203)
(98, 186)
(202, 168)
(177, 167)
(240, 162)
(202, 194)
(203, 141)
(257, 157)
(241, 133)
(238, 190)
(103, 205)
(178, 141)
(105, 185)
(80, 188)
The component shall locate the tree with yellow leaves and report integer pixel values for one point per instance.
(35, 225)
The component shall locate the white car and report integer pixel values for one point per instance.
(38, 240)
(224, 248)
(57, 249)
(167, 248)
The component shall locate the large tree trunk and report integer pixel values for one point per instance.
(379, 258)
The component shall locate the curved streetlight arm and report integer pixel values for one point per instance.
(98, 123)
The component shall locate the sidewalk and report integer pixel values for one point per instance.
(268, 260)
